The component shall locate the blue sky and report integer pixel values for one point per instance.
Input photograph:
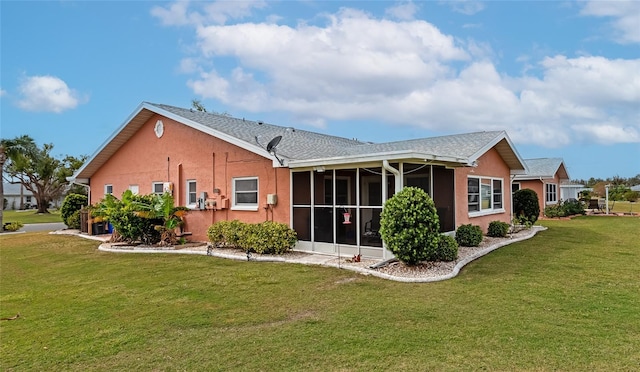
(561, 77)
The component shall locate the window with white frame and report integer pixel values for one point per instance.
(135, 189)
(108, 189)
(157, 188)
(192, 196)
(515, 187)
(551, 193)
(245, 193)
(484, 194)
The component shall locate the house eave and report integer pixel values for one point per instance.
(136, 120)
(379, 157)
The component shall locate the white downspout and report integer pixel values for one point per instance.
(396, 173)
(386, 254)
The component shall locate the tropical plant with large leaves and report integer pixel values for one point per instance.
(151, 219)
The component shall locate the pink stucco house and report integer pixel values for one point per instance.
(329, 189)
(545, 176)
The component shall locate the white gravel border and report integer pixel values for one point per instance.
(363, 267)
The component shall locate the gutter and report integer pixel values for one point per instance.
(74, 181)
(396, 173)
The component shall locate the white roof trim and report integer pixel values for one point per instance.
(376, 157)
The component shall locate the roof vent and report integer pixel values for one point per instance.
(260, 122)
(291, 129)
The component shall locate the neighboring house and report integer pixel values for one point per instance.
(14, 192)
(545, 177)
(18, 197)
(329, 189)
(635, 188)
(571, 191)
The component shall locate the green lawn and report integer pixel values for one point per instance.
(568, 300)
(624, 207)
(31, 216)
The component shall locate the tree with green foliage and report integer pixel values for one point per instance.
(8, 150)
(409, 226)
(197, 104)
(37, 170)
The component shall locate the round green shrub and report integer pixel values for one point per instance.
(73, 221)
(71, 204)
(525, 206)
(409, 225)
(447, 249)
(498, 229)
(469, 235)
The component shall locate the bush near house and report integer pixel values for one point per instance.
(469, 235)
(563, 209)
(72, 203)
(526, 207)
(447, 249)
(409, 225)
(498, 229)
(149, 219)
(264, 238)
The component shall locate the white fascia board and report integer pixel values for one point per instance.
(529, 177)
(390, 156)
(113, 135)
(495, 141)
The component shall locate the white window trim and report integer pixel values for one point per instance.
(484, 212)
(245, 206)
(546, 194)
(106, 186)
(153, 188)
(194, 204)
(135, 189)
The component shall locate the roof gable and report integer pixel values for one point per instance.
(544, 168)
(301, 148)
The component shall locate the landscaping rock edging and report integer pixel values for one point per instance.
(327, 260)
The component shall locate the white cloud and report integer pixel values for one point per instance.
(218, 12)
(48, 94)
(358, 67)
(468, 7)
(403, 11)
(625, 14)
(3, 92)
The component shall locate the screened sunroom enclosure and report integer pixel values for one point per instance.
(337, 211)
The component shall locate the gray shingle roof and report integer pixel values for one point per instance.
(301, 148)
(13, 189)
(297, 144)
(543, 167)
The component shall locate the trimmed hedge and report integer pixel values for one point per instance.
(469, 235)
(264, 238)
(498, 229)
(447, 249)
